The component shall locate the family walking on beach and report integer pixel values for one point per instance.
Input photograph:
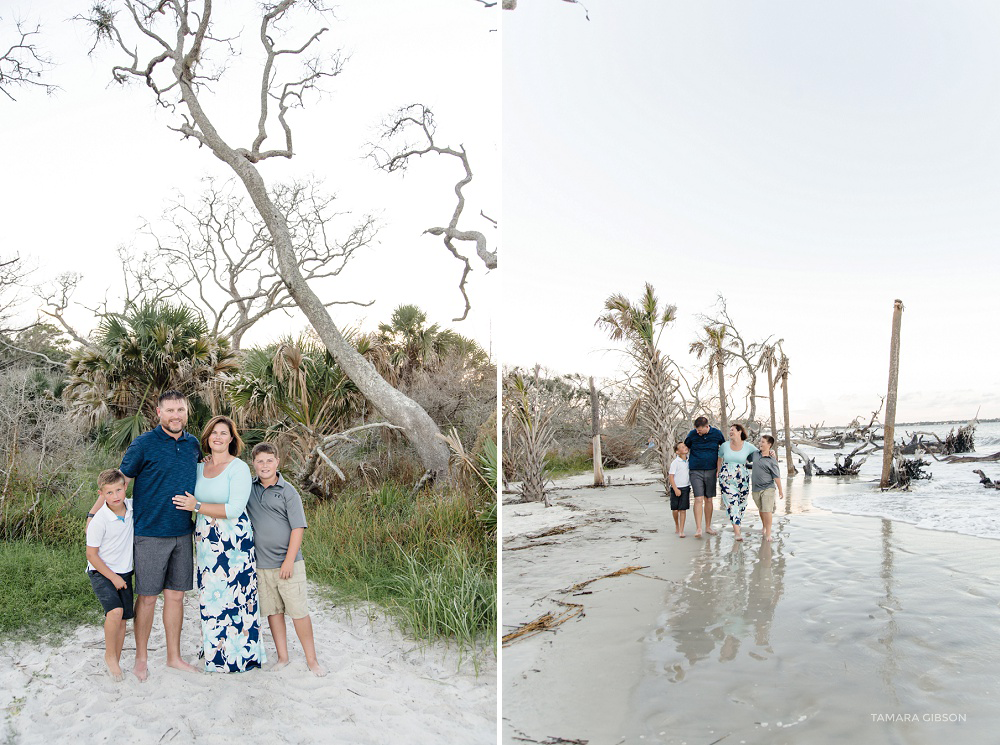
(247, 539)
(706, 457)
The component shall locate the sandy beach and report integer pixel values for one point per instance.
(381, 687)
(844, 629)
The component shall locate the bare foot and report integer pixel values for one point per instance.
(318, 671)
(680, 535)
(768, 538)
(183, 665)
(275, 666)
(739, 536)
(114, 669)
(140, 671)
(711, 532)
(697, 534)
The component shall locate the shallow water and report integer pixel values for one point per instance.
(952, 500)
(889, 636)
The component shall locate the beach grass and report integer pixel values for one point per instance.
(427, 559)
(44, 590)
(569, 464)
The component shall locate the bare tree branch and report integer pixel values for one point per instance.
(23, 63)
(394, 151)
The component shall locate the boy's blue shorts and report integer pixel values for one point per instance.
(112, 597)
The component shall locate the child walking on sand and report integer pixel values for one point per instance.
(680, 487)
(766, 476)
(279, 522)
(109, 562)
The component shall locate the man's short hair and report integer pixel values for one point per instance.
(701, 422)
(769, 439)
(110, 476)
(263, 447)
(171, 395)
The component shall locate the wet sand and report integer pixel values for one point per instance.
(844, 629)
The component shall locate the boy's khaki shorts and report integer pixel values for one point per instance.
(283, 595)
(764, 499)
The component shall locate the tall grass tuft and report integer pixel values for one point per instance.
(426, 559)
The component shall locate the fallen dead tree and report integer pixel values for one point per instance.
(962, 441)
(849, 466)
(906, 470)
(967, 458)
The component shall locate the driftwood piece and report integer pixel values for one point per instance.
(968, 458)
(619, 573)
(986, 481)
(545, 622)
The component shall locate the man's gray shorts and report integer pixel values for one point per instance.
(163, 564)
(703, 483)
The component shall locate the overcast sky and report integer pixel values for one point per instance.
(809, 161)
(84, 167)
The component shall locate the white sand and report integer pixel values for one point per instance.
(381, 688)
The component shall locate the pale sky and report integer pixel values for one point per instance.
(83, 167)
(810, 161)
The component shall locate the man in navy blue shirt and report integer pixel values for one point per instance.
(703, 441)
(162, 462)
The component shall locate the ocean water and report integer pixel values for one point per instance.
(952, 500)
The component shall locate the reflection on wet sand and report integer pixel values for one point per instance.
(728, 601)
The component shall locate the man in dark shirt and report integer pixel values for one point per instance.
(162, 462)
(703, 441)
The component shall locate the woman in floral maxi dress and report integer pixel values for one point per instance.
(734, 476)
(226, 559)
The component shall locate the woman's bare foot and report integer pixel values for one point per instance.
(711, 532)
(276, 666)
(140, 670)
(680, 535)
(767, 537)
(318, 671)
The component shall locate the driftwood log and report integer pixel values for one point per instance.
(850, 466)
(986, 481)
(962, 441)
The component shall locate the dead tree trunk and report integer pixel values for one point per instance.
(770, 396)
(890, 405)
(595, 433)
(789, 463)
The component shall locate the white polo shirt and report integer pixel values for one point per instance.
(681, 472)
(112, 537)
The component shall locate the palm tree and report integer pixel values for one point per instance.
(413, 345)
(640, 326)
(151, 348)
(296, 388)
(714, 346)
(768, 359)
(783, 375)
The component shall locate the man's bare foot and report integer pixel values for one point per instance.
(711, 532)
(318, 671)
(680, 535)
(114, 669)
(275, 666)
(140, 671)
(183, 665)
(697, 534)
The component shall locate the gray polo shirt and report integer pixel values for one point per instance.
(765, 470)
(274, 512)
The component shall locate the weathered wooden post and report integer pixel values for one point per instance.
(595, 432)
(770, 391)
(890, 404)
(783, 374)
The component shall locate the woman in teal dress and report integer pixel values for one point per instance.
(226, 559)
(734, 476)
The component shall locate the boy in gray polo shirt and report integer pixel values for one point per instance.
(279, 523)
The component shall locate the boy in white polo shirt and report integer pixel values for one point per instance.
(109, 562)
(680, 487)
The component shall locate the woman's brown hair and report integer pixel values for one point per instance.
(235, 445)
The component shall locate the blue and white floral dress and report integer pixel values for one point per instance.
(227, 573)
(734, 479)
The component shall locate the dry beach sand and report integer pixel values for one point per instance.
(844, 629)
(381, 688)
